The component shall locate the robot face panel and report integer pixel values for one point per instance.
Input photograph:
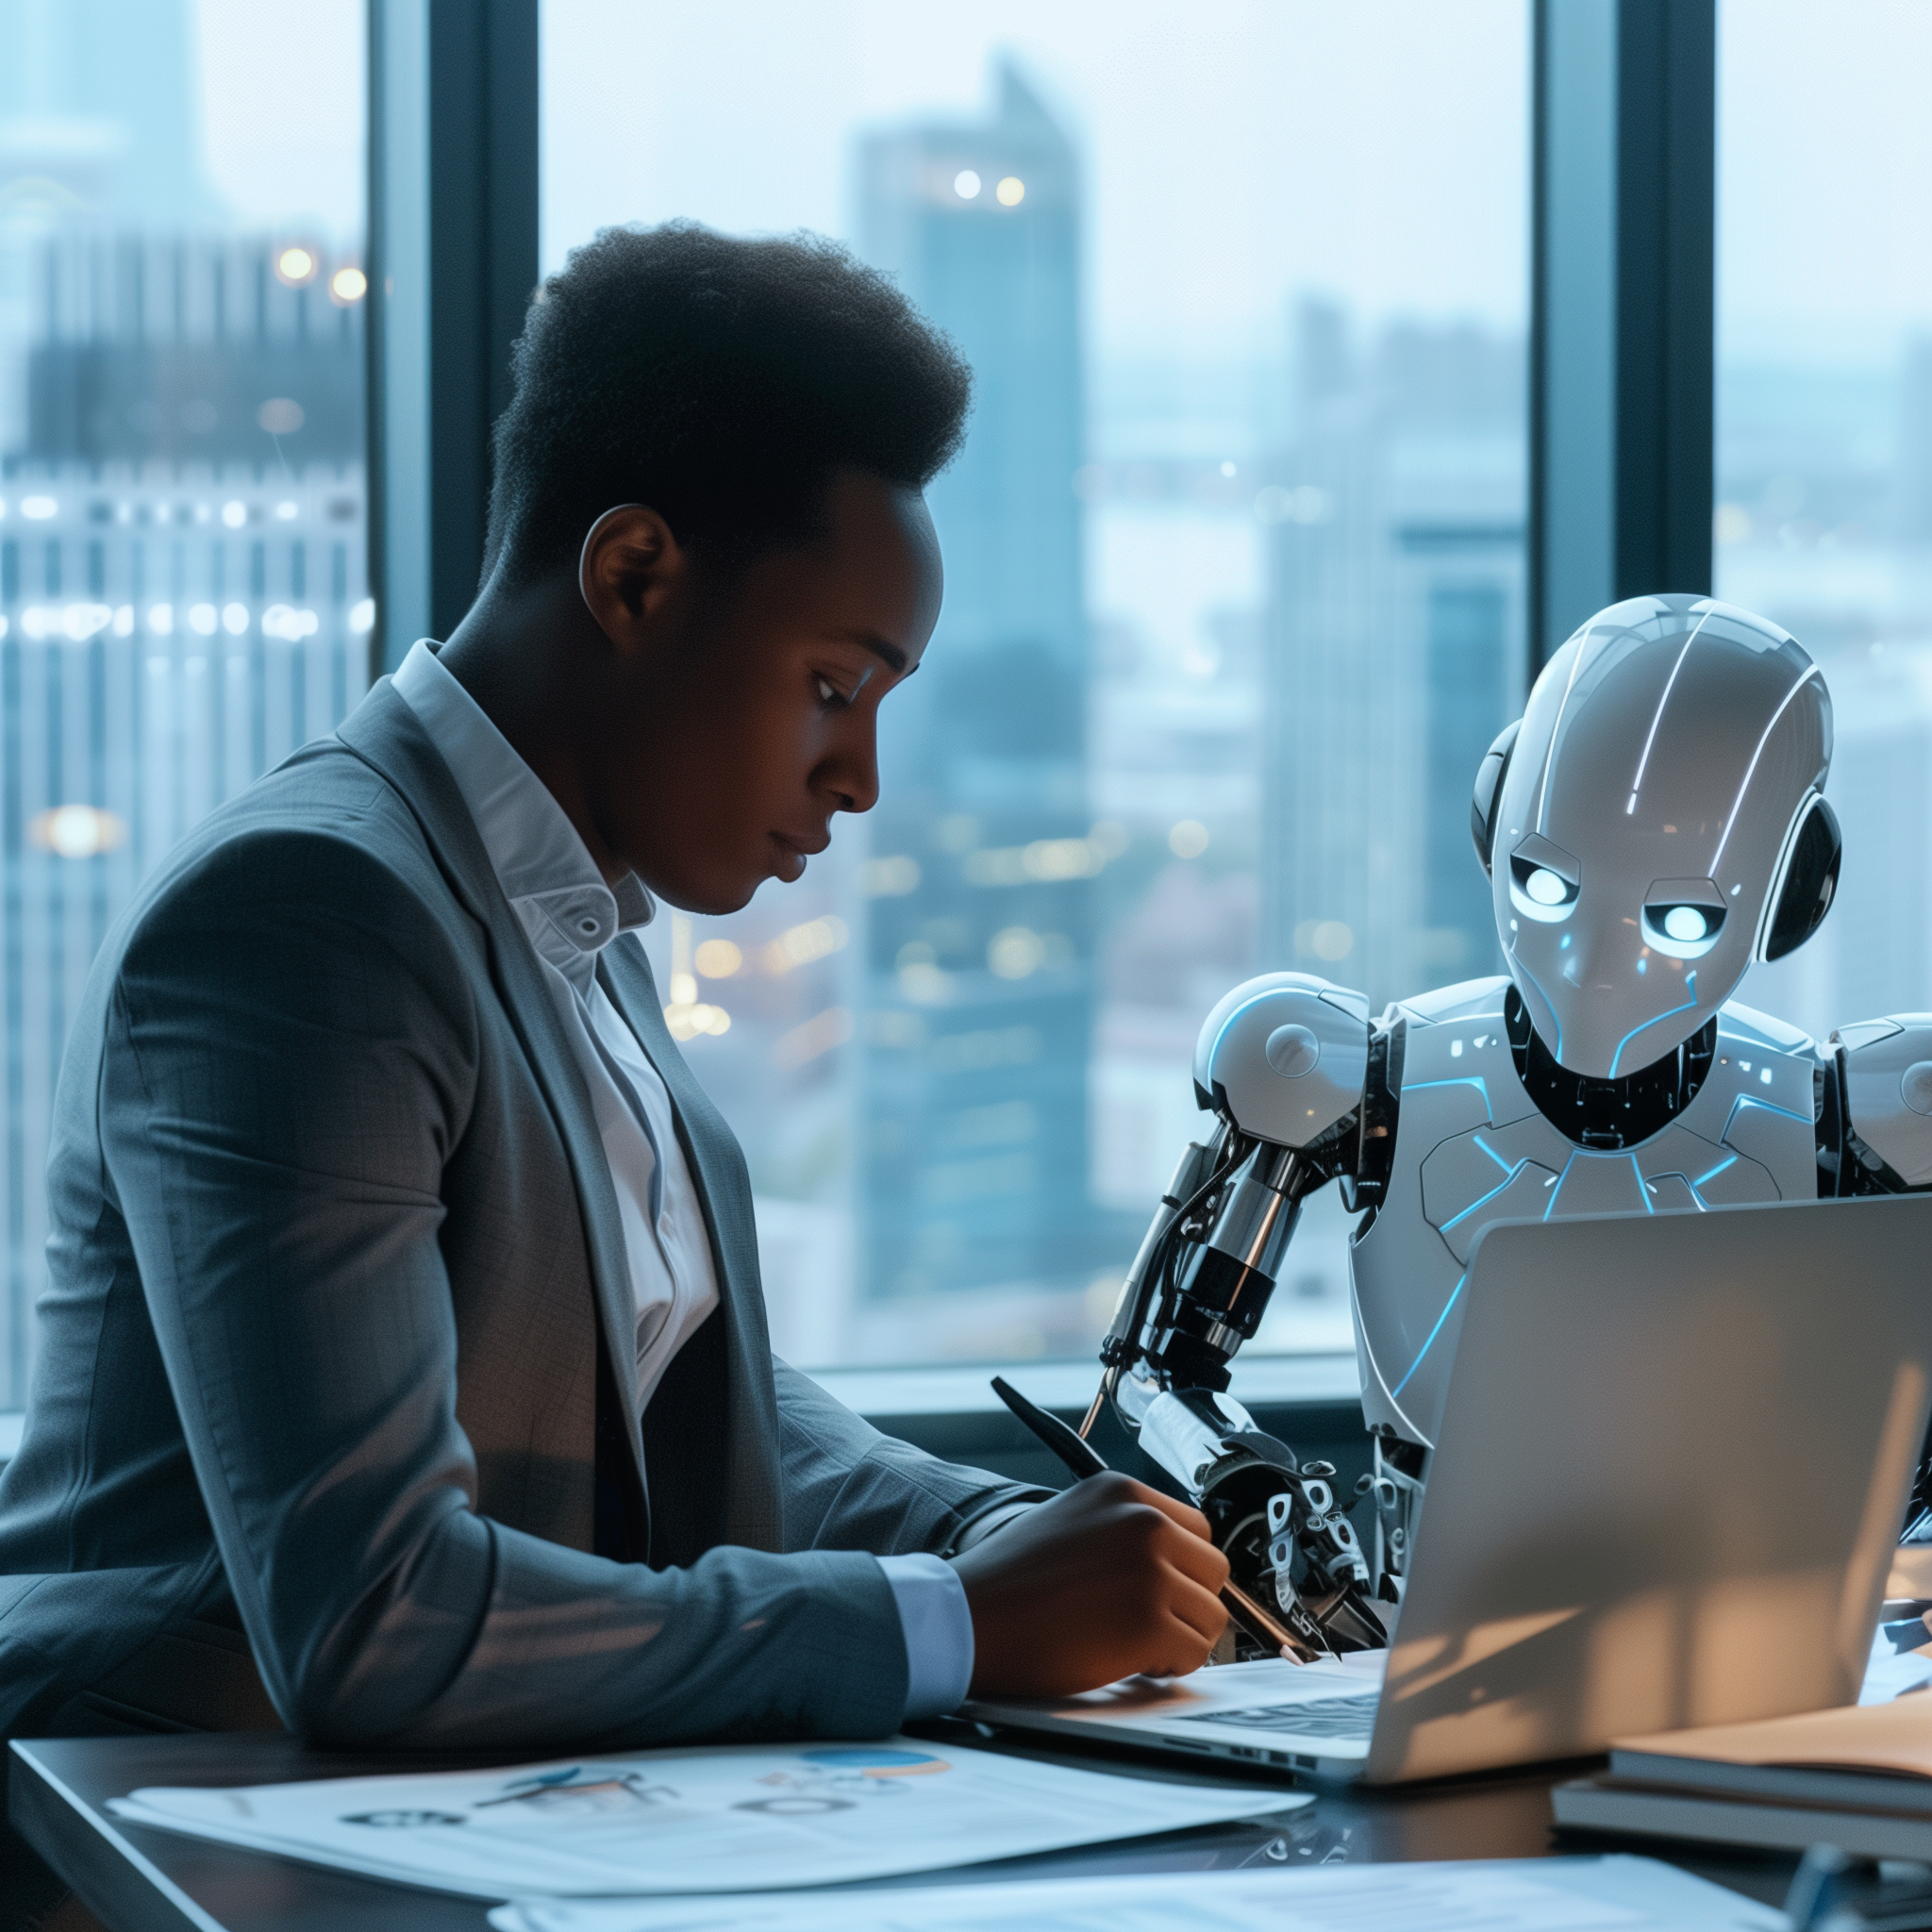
(1671, 755)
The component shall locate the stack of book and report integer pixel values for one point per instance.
(1860, 1779)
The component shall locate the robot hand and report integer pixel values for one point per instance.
(1287, 1063)
(1275, 1518)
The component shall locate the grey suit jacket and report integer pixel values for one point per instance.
(334, 1242)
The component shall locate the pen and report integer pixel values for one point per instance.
(1084, 1460)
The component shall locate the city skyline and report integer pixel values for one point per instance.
(1265, 560)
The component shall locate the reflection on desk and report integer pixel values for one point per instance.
(137, 1879)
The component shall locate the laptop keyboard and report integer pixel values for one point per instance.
(1327, 1717)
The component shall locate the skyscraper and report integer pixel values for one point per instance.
(973, 1077)
(182, 573)
(1397, 651)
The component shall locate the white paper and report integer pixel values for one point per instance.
(1616, 1894)
(1891, 1673)
(733, 1818)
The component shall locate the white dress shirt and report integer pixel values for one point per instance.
(570, 915)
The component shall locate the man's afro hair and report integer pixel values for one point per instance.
(720, 381)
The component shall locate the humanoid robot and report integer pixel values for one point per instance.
(1653, 825)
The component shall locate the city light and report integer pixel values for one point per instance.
(348, 286)
(687, 1018)
(1015, 953)
(717, 958)
(38, 509)
(234, 619)
(1187, 839)
(286, 622)
(1331, 941)
(1011, 192)
(77, 623)
(362, 616)
(287, 512)
(160, 619)
(203, 619)
(1042, 859)
(799, 946)
(890, 878)
(234, 514)
(966, 185)
(280, 416)
(295, 266)
(76, 831)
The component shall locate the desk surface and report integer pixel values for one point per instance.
(138, 1879)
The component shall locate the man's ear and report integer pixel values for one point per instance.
(629, 562)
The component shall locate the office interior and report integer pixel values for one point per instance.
(1332, 366)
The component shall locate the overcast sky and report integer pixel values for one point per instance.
(1237, 150)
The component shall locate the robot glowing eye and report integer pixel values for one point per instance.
(1682, 929)
(1545, 888)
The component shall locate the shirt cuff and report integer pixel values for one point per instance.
(937, 1628)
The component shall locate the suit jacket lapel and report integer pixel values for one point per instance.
(385, 733)
(753, 1513)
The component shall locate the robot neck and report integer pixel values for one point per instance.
(1607, 1113)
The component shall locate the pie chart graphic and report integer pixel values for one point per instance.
(876, 1761)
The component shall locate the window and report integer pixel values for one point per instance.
(182, 585)
(1234, 598)
(1824, 447)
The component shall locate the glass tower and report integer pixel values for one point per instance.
(973, 1077)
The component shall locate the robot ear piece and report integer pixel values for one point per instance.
(1489, 793)
(1803, 893)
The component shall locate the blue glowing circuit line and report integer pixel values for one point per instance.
(1558, 1187)
(1474, 1080)
(1490, 1196)
(1642, 1188)
(1689, 987)
(1396, 1392)
(1493, 1155)
(1714, 1172)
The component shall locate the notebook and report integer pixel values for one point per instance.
(1860, 1778)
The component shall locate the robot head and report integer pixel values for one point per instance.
(1654, 823)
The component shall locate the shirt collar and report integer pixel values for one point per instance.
(543, 866)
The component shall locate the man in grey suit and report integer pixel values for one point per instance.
(404, 1373)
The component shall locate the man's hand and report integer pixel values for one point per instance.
(1108, 1578)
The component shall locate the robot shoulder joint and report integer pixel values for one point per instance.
(1285, 1057)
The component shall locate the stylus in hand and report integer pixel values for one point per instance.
(1084, 1461)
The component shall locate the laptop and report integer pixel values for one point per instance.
(1672, 1469)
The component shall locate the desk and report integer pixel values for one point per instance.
(138, 1879)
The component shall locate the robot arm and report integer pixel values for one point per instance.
(1879, 1085)
(1283, 1061)
(1875, 1137)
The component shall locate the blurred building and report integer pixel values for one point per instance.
(973, 1067)
(1396, 650)
(183, 583)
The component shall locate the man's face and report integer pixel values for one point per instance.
(727, 745)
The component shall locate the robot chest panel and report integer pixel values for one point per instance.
(1473, 1148)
